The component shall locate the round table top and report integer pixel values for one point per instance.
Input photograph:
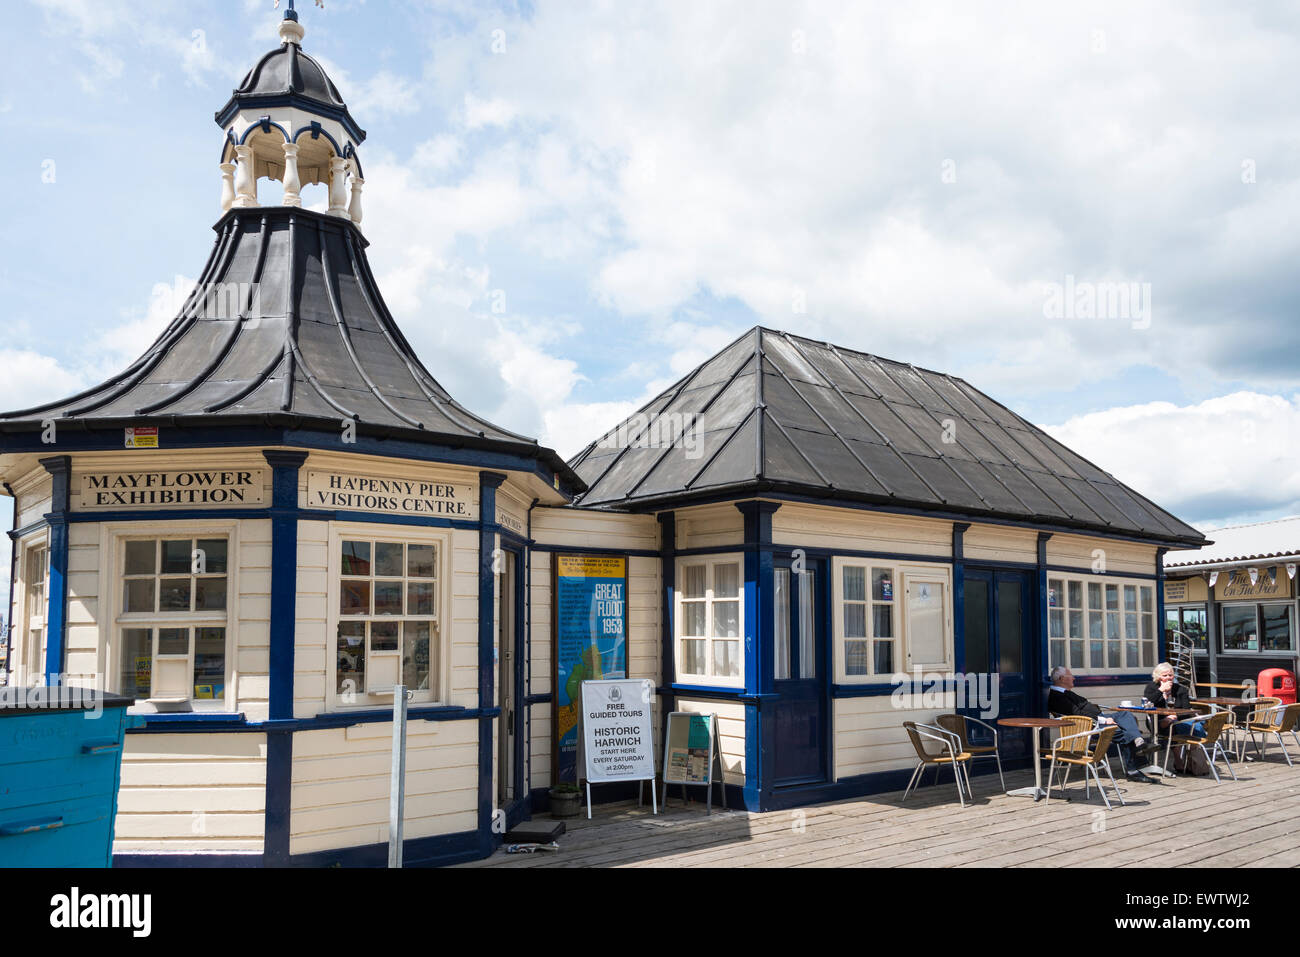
(1031, 722)
(1175, 712)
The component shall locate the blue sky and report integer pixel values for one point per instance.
(571, 204)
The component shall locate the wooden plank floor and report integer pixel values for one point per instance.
(1185, 822)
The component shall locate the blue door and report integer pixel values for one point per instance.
(997, 610)
(799, 675)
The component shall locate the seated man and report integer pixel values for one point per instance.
(1063, 700)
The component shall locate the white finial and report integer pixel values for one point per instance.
(291, 31)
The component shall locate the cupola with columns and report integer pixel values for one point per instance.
(287, 122)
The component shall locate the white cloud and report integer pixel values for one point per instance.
(31, 379)
(1236, 455)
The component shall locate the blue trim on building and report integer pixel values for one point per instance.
(760, 724)
(1037, 697)
(56, 617)
(1162, 644)
(279, 798)
(489, 482)
(284, 577)
(958, 595)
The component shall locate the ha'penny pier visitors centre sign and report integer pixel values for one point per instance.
(111, 490)
(395, 496)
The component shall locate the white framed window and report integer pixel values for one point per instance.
(172, 592)
(889, 618)
(1097, 625)
(710, 620)
(31, 608)
(388, 592)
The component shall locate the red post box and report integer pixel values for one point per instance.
(1277, 683)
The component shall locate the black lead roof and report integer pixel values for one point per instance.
(287, 322)
(780, 413)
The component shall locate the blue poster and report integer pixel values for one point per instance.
(591, 641)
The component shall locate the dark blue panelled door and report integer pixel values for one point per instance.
(799, 751)
(998, 612)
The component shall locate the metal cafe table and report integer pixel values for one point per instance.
(1155, 714)
(1037, 724)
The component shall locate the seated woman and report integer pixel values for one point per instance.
(1164, 691)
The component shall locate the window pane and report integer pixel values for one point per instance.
(726, 580)
(1130, 625)
(726, 659)
(383, 635)
(1095, 623)
(882, 584)
(1148, 627)
(882, 620)
(1130, 598)
(1076, 594)
(1278, 628)
(1112, 598)
(694, 578)
(419, 561)
(1239, 628)
(1056, 620)
(388, 598)
(1130, 654)
(173, 641)
(693, 621)
(1148, 654)
(174, 594)
(726, 619)
(142, 558)
(1076, 624)
(781, 624)
(855, 583)
(1056, 653)
(139, 595)
(352, 657)
(884, 657)
(1194, 626)
(137, 662)
(807, 634)
(419, 598)
(1147, 603)
(388, 559)
(1094, 595)
(177, 556)
(415, 655)
(1112, 654)
(213, 552)
(1095, 653)
(855, 658)
(210, 594)
(1076, 654)
(209, 663)
(1055, 593)
(855, 621)
(356, 558)
(354, 598)
(693, 656)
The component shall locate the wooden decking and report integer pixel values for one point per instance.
(1186, 822)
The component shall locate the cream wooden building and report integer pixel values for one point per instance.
(277, 514)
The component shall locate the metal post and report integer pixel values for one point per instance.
(397, 786)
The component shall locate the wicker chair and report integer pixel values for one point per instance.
(1215, 725)
(1277, 721)
(1240, 722)
(949, 754)
(1072, 750)
(959, 724)
(1074, 727)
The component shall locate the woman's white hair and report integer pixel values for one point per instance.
(1160, 669)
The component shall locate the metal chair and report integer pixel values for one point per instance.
(949, 754)
(1260, 720)
(958, 724)
(1072, 750)
(1215, 724)
(1091, 723)
(1241, 723)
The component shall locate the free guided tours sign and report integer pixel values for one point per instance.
(617, 742)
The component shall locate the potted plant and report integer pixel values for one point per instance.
(566, 800)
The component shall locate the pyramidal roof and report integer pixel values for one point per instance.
(286, 322)
(774, 412)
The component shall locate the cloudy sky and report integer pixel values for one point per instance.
(570, 204)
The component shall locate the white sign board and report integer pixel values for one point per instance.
(617, 740)
(238, 488)
(396, 496)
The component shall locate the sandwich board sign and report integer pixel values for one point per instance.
(690, 753)
(617, 739)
